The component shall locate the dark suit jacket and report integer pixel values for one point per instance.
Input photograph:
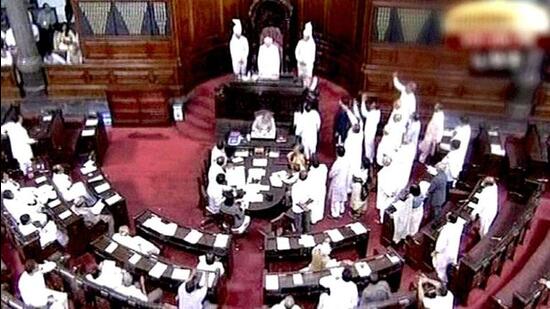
(437, 192)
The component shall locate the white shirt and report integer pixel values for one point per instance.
(215, 196)
(269, 61)
(33, 286)
(408, 100)
(238, 47)
(439, 302)
(300, 194)
(132, 291)
(217, 266)
(191, 300)
(343, 295)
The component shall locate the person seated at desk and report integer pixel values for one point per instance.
(33, 290)
(343, 292)
(209, 262)
(433, 294)
(377, 290)
(269, 60)
(320, 257)
(71, 191)
(136, 243)
(234, 208)
(215, 192)
(137, 289)
(296, 158)
(218, 151)
(264, 125)
(108, 274)
(286, 303)
(217, 167)
(192, 292)
(47, 232)
(93, 215)
(18, 207)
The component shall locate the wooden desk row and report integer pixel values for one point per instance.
(488, 256)
(189, 239)
(153, 268)
(93, 139)
(388, 266)
(298, 247)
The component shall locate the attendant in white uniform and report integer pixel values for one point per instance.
(407, 98)
(371, 113)
(317, 177)
(136, 243)
(269, 60)
(32, 287)
(433, 134)
(338, 190)
(343, 291)
(238, 47)
(305, 53)
(20, 143)
(447, 245)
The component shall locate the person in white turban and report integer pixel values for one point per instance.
(305, 53)
(238, 47)
(269, 60)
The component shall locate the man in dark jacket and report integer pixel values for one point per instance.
(437, 192)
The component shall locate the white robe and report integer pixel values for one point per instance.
(354, 144)
(338, 191)
(269, 61)
(136, 243)
(215, 196)
(301, 192)
(343, 295)
(487, 208)
(214, 171)
(408, 100)
(217, 266)
(433, 135)
(69, 191)
(454, 162)
(191, 300)
(216, 153)
(238, 47)
(371, 125)
(20, 143)
(386, 189)
(308, 129)
(305, 57)
(401, 219)
(463, 134)
(34, 291)
(447, 246)
(318, 179)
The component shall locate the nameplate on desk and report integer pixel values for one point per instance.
(88, 169)
(237, 160)
(241, 153)
(64, 215)
(88, 132)
(259, 162)
(297, 279)
(394, 259)
(111, 247)
(283, 243)
(135, 258)
(221, 240)
(274, 154)
(335, 235)
(357, 228)
(363, 269)
(180, 274)
(54, 203)
(40, 179)
(102, 187)
(96, 178)
(472, 205)
(497, 150)
(193, 237)
(158, 270)
(307, 241)
(113, 199)
(272, 282)
(91, 122)
(493, 133)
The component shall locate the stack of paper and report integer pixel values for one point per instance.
(54, 203)
(102, 187)
(180, 274)
(259, 162)
(156, 224)
(91, 122)
(64, 215)
(335, 235)
(363, 269)
(236, 176)
(297, 279)
(357, 228)
(97, 208)
(111, 247)
(256, 173)
(88, 132)
(283, 243)
(135, 258)
(493, 133)
(237, 160)
(241, 153)
(113, 199)
(307, 241)
(47, 118)
(193, 237)
(221, 240)
(158, 270)
(275, 181)
(271, 282)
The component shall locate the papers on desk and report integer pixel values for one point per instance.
(445, 146)
(96, 178)
(431, 170)
(221, 240)
(40, 179)
(394, 259)
(156, 224)
(307, 241)
(336, 271)
(259, 162)
(47, 117)
(272, 282)
(297, 279)
(113, 199)
(497, 150)
(363, 269)
(274, 154)
(193, 237)
(97, 208)
(88, 169)
(237, 160)
(91, 122)
(111, 247)
(180, 274)
(54, 203)
(135, 258)
(256, 173)
(357, 228)
(64, 215)
(236, 176)
(493, 133)
(275, 181)
(158, 270)
(335, 235)
(241, 153)
(102, 187)
(283, 243)
(88, 132)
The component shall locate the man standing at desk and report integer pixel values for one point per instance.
(301, 199)
(269, 60)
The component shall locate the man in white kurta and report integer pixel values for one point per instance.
(371, 113)
(401, 217)
(317, 177)
(32, 287)
(238, 47)
(463, 133)
(487, 207)
(308, 129)
(407, 98)
(218, 151)
(70, 191)
(305, 53)
(215, 191)
(338, 190)
(216, 168)
(433, 135)
(136, 243)
(447, 245)
(343, 291)
(20, 143)
(387, 187)
(269, 60)
(354, 142)
(208, 262)
(302, 198)
(453, 161)
(418, 194)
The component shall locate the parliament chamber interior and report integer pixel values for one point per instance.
(278, 154)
